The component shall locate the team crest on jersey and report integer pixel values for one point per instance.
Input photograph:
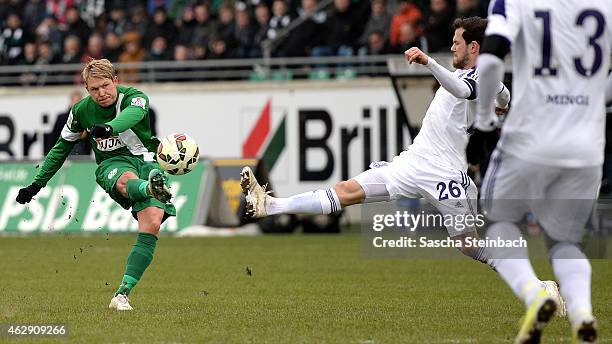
(139, 101)
(112, 173)
(110, 144)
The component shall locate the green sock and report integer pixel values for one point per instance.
(138, 260)
(137, 190)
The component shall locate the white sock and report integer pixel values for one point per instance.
(513, 264)
(573, 272)
(312, 202)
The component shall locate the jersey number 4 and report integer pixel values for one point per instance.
(546, 68)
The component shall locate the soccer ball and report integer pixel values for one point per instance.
(177, 153)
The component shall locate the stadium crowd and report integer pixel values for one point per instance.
(41, 32)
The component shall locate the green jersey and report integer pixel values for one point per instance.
(129, 118)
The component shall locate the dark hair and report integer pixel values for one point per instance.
(474, 28)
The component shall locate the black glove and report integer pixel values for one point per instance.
(101, 131)
(25, 195)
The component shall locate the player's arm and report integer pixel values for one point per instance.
(609, 89)
(126, 119)
(54, 160)
(503, 26)
(460, 88)
(502, 99)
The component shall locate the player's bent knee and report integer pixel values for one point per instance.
(349, 192)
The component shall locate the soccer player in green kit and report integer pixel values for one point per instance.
(116, 120)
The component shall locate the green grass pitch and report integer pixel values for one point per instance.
(302, 289)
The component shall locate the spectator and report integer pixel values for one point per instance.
(439, 26)
(199, 52)
(34, 13)
(205, 26)
(10, 6)
(112, 46)
(280, 18)
(12, 40)
(469, 8)
(307, 35)
(409, 37)
(187, 27)
(341, 28)
(377, 45)
(161, 26)
(380, 21)
(59, 8)
(101, 24)
(138, 21)
(219, 49)
(90, 10)
(72, 50)
(48, 31)
(83, 147)
(30, 54)
(46, 57)
(154, 5)
(95, 48)
(77, 26)
(244, 33)
(118, 21)
(29, 58)
(181, 53)
(132, 52)
(159, 50)
(225, 27)
(176, 9)
(407, 13)
(262, 18)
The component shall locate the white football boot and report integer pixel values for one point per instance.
(584, 329)
(256, 195)
(121, 303)
(553, 289)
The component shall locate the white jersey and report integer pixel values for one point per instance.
(444, 134)
(560, 62)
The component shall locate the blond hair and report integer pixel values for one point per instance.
(101, 68)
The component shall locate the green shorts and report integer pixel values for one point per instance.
(110, 170)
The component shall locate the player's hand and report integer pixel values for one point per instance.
(487, 122)
(101, 131)
(501, 111)
(25, 194)
(416, 55)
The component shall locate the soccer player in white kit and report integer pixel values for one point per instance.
(433, 167)
(550, 155)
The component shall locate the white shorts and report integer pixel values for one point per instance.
(410, 175)
(561, 199)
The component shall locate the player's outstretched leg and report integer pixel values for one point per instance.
(573, 271)
(514, 267)
(260, 204)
